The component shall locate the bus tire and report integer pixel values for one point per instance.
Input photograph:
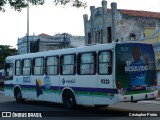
(69, 99)
(18, 96)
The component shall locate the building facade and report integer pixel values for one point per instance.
(44, 42)
(107, 25)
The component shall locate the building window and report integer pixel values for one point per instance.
(99, 36)
(132, 36)
(96, 36)
(89, 38)
(109, 34)
(102, 36)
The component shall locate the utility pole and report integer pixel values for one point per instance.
(28, 28)
(114, 8)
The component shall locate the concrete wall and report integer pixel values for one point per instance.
(133, 25)
(76, 41)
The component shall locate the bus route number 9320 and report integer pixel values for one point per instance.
(105, 81)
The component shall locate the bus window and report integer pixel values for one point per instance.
(52, 65)
(8, 71)
(26, 66)
(68, 64)
(105, 62)
(38, 66)
(18, 67)
(87, 63)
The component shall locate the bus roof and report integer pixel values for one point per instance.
(69, 50)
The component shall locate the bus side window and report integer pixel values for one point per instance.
(68, 64)
(8, 71)
(105, 62)
(26, 67)
(87, 63)
(18, 67)
(52, 65)
(38, 66)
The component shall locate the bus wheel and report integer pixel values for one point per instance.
(18, 96)
(69, 99)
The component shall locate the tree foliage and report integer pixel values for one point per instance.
(18, 5)
(6, 50)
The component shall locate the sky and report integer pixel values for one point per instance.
(51, 19)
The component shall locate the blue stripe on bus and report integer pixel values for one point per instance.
(80, 89)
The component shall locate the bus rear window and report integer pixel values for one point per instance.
(135, 65)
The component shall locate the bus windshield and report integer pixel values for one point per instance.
(135, 67)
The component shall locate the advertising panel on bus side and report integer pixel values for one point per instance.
(136, 69)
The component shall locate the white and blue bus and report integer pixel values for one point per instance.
(1, 78)
(98, 75)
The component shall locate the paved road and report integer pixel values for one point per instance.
(118, 111)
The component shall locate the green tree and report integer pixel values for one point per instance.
(6, 50)
(18, 5)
